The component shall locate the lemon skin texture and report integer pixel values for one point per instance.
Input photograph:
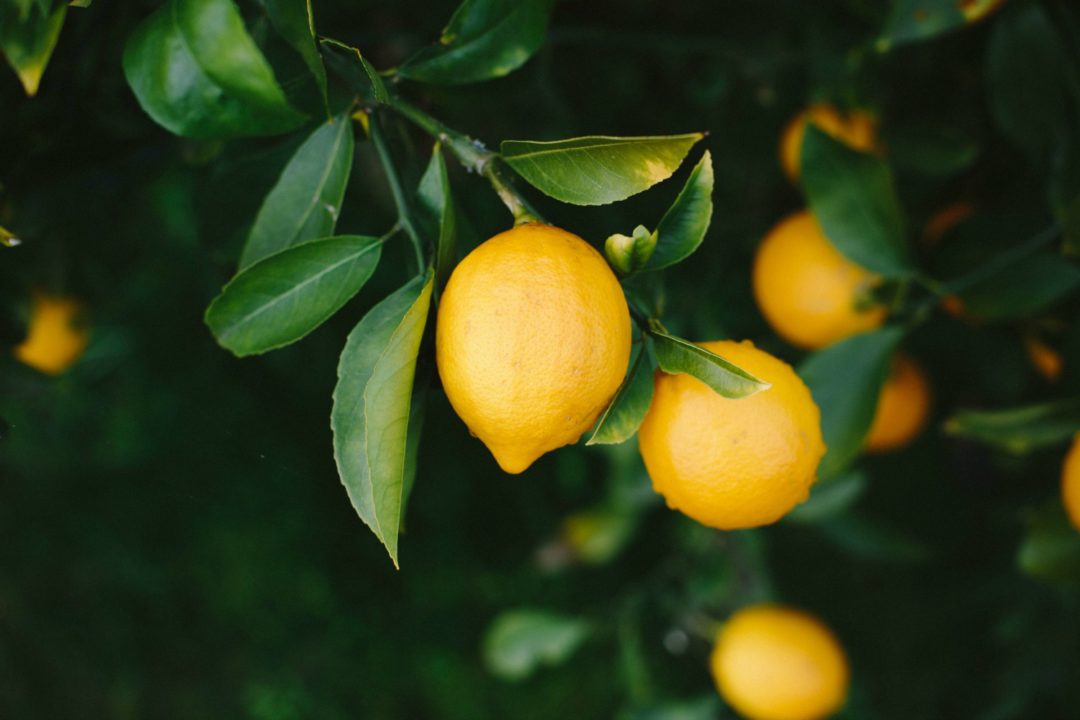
(55, 339)
(776, 663)
(903, 407)
(1070, 482)
(857, 129)
(532, 341)
(808, 292)
(733, 463)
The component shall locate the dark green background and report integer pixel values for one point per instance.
(174, 541)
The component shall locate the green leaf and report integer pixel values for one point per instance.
(195, 70)
(27, 40)
(852, 196)
(305, 202)
(597, 170)
(684, 225)
(372, 401)
(676, 356)
(437, 209)
(519, 641)
(630, 253)
(1032, 85)
(627, 409)
(294, 21)
(1051, 549)
(417, 412)
(1023, 289)
(829, 498)
(916, 20)
(706, 707)
(8, 239)
(930, 150)
(485, 39)
(1022, 429)
(873, 539)
(845, 380)
(283, 297)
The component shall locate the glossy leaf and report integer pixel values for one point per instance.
(295, 22)
(1032, 87)
(27, 40)
(195, 70)
(678, 356)
(916, 20)
(852, 196)
(845, 380)
(597, 170)
(1023, 289)
(627, 409)
(1021, 429)
(829, 498)
(283, 297)
(305, 202)
(518, 642)
(485, 39)
(437, 206)
(684, 225)
(372, 400)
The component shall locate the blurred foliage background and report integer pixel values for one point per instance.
(174, 541)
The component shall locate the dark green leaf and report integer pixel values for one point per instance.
(829, 498)
(684, 225)
(485, 39)
(1022, 429)
(627, 409)
(1032, 84)
(518, 642)
(197, 72)
(283, 297)
(1023, 289)
(915, 20)
(306, 201)
(845, 380)
(1051, 549)
(873, 539)
(417, 411)
(706, 707)
(437, 206)
(372, 400)
(851, 195)
(676, 355)
(295, 22)
(932, 151)
(27, 40)
(597, 170)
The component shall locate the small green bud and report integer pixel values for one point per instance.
(628, 254)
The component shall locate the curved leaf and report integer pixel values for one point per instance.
(439, 214)
(27, 42)
(295, 22)
(676, 355)
(519, 641)
(1022, 429)
(282, 298)
(370, 418)
(485, 39)
(845, 380)
(627, 409)
(829, 498)
(915, 20)
(597, 170)
(852, 196)
(305, 202)
(684, 225)
(195, 70)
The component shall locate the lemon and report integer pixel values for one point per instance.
(1070, 482)
(902, 409)
(857, 129)
(777, 663)
(733, 463)
(55, 340)
(532, 341)
(810, 293)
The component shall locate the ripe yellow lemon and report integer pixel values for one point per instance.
(55, 339)
(902, 409)
(1070, 482)
(857, 129)
(777, 663)
(810, 293)
(532, 341)
(733, 463)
